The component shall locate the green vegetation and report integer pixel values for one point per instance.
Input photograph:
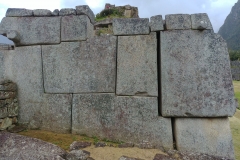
(109, 13)
(234, 55)
(236, 85)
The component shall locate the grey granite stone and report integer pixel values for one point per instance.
(19, 12)
(56, 113)
(75, 28)
(137, 65)
(209, 136)
(42, 13)
(24, 67)
(85, 10)
(121, 118)
(67, 11)
(14, 36)
(34, 30)
(6, 122)
(78, 155)
(14, 146)
(130, 26)
(178, 21)
(80, 67)
(195, 75)
(201, 21)
(9, 110)
(156, 23)
(55, 12)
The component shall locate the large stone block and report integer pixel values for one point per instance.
(75, 28)
(19, 12)
(85, 10)
(67, 12)
(24, 67)
(178, 21)
(80, 67)
(56, 113)
(34, 30)
(129, 119)
(137, 65)
(195, 75)
(156, 23)
(209, 136)
(201, 21)
(42, 13)
(130, 26)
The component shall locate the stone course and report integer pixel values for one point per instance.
(19, 12)
(201, 21)
(85, 10)
(178, 21)
(156, 23)
(42, 12)
(67, 11)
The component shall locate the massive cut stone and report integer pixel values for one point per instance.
(130, 26)
(19, 12)
(137, 65)
(24, 67)
(78, 67)
(56, 113)
(209, 136)
(67, 11)
(75, 28)
(14, 146)
(156, 23)
(133, 119)
(85, 10)
(178, 21)
(34, 30)
(201, 21)
(42, 12)
(195, 75)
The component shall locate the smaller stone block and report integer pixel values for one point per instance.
(7, 95)
(55, 12)
(42, 13)
(130, 26)
(209, 136)
(178, 21)
(156, 23)
(85, 10)
(201, 21)
(19, 12)
(6, 122)
(14, 36)
(67, 11)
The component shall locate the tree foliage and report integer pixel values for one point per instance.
(234, 55)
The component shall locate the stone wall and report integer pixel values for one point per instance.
(164, 81)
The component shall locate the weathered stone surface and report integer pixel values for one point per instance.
(79, 145)
(75, 28)
(201, 21)
(34, 30)
(19, 12)
(156, 23)
(6, 122)
(14, 36)
(137, 65)
(129, 158)
(130, 26)
(145, 145)
(126, 145)
(78, 155)
(67, 11)
(56, 113)
(195, 75)
(7, 95)
(42, 13)
(15, 146)
(24, 67)
(121, 118)
(9, 110)
(17, 128)
(178, 21)
(100, 144)
(209, 136)
(85, 10)
(78, 67)
(55, 12)
(9, 86)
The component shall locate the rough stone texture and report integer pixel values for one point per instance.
(121, 118)
(56, 113)
(78, 67)
(55, 12)
(15, 146)
(67, 11)
(235, 70)
(8, 86)
(42, 13)
(100, 144)
(178, 21)
(145, 145)
(195, 74)
(75, 28)
(156, 23)
(126, 145)
(14, 36)
(17, 128)
(77, 155)
(130, 26)
(24, 67)
(5, 123)
(9, 109)
(128, 158)
(137, 65)
(200, 19)
(209, 136)
(85, 10)
(19, 12)
(7, 95)
(34, 30)
(79, 145)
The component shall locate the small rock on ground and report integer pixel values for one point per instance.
(79, 145)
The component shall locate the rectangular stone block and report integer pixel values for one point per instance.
(24, 67)
(80, 67)
(201, 21)
(208, 136)
(19, 12)
(178, 21)
(34, 30)
(56, 113)
(42, 13)
(85, 10)
(75, 28)
(195, 75)
(137, 65)
(130, 26)
(129, 119)
(156, 23)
